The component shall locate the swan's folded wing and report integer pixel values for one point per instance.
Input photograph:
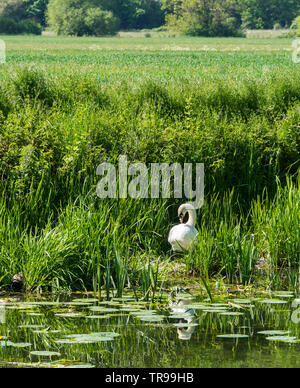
(173, 234)
(182, 237)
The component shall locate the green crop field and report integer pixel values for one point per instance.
(67, 104)
(163, 58)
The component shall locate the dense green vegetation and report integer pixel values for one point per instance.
(73, 109)
(228, 17)
(21, 17)
(269, 13)
(296, 25)
(80, 18)
(96, 17)
(190, 17)
(10, 26)
(204, 18)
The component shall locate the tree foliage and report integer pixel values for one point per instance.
(15, 18)
(37, 10)
(133, 14)
(296, 25)
(81, 17)
(192, 17)
(24, 9)
(204, 17)
(227, 17)
(13, 9)
(258, 14)
(136, 14)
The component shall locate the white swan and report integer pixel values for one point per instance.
(182, 236)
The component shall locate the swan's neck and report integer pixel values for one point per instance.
(192, 217)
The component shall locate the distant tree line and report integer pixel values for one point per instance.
(258, 14)
(22, 16)
(81, 17)
(103, 17)
(204, 17)
(228, 17)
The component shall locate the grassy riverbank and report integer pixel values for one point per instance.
(65, 110)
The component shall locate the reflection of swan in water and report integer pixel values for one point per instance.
(181, 307)
(185, 333)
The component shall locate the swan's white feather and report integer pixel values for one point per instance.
(182, 236)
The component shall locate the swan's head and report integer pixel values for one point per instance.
(183, 210)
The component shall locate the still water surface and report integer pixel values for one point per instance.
(187, 332)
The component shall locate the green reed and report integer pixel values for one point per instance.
(55, 128)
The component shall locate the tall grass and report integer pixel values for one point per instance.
(55, 131)
(232, 248)
(93, 245)
(279, 227)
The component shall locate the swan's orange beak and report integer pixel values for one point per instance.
(181, 219)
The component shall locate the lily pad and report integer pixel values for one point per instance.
(213, 311)
(79, 303)
(104, 333)
(31, 326)
(154, 318)
(233, 336)
(65, 341)
(21, 344)
(241, 301)
(273, 332)
(125, 297)
(179, 316)
(5, 343)
(284, 295)
(185, 325)
(219, 308)
(70, 315)
(41, 331)
(283, 338)
(129, 308)
(98, 316)
(233, 313)
(34, 314)
(273, 301)
(80, 366)
(101, 309)
(143, 313)
(45, 303)
(20, 307)
(194, 306)
(44, 353)
(89, 338)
